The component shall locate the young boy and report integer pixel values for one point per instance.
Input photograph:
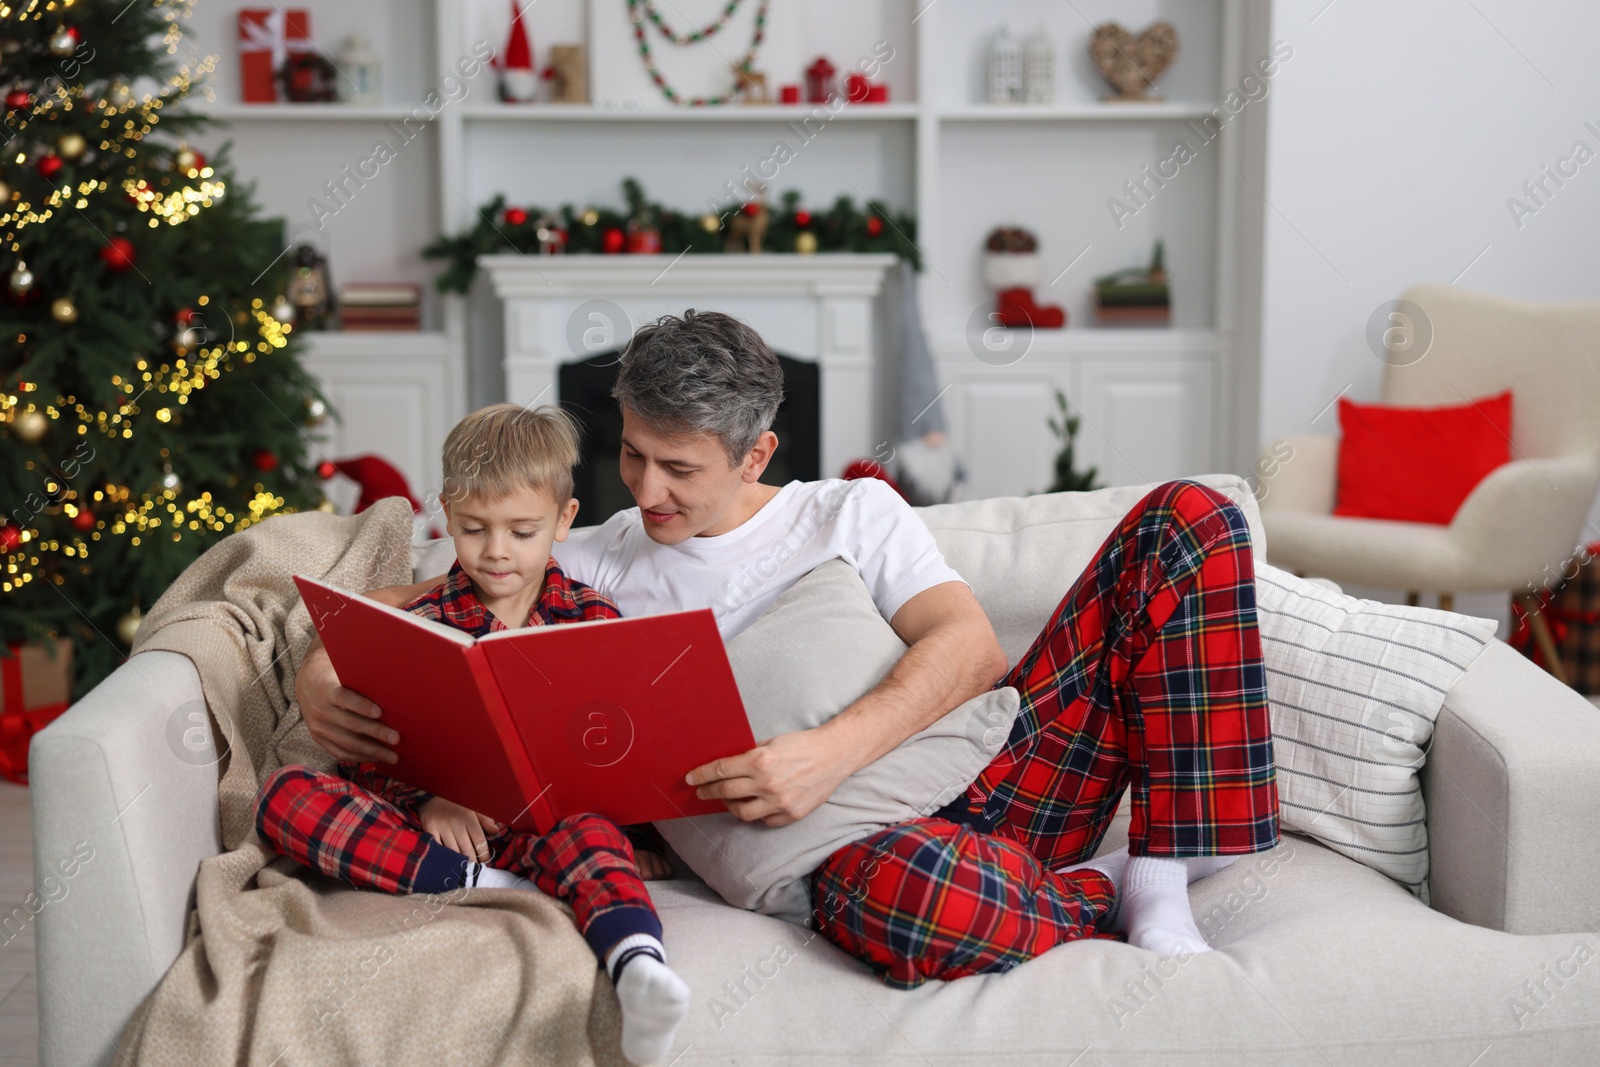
(507, 496)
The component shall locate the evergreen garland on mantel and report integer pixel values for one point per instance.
(501, 228)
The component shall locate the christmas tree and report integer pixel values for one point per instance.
(150, 400)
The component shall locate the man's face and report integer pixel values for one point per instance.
(683, 483)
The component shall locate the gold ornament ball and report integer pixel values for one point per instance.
(5, 195)
(30, 427)
(326, 505)
(591, 217)
(72, 145)
(170, 480)
(62, 43)
(128, 626)
(282, 310)
(21, 278)
(63, 310)
(710, 223)
(316, 411)
(805, 242)
(185, 159)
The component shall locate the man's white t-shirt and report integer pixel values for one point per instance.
(738, 574)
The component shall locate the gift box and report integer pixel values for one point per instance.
(35, 687)
(267, 37)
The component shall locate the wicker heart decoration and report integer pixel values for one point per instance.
(1132, 64)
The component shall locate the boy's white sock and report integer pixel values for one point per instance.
(1155, 907)
(482, 876)
(654, 999)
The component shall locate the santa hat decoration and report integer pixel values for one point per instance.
(518, 81)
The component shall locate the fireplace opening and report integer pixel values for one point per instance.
(585, 391)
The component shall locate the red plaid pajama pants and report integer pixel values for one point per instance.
(1148, 676)
(344, 829)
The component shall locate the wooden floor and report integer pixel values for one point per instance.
(19, 1006)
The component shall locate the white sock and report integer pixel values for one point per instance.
(654, 999)
(1205, 866)
(1155, 907)
(482, 876)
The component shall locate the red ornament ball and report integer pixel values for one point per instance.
(751, 209)
(184, 316)
(264, 460)
(10, 537)
(117, 254)
(84, 520)
(802, 219)
(18, 99)
(50, 165)
(874, 226)
(612, 240)
(516, 216)
(326, 469)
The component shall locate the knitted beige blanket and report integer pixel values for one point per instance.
(286, 967)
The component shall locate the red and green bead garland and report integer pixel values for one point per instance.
(693, 36)
(638, 10)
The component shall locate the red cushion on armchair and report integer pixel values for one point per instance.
(1418, 464)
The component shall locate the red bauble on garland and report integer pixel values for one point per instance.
(515, 216)
(802, 219)
(326, 469)
(874, 226)
(118, 254)
(50, 165)
(264, 460)
(612, 240)
(10, 537)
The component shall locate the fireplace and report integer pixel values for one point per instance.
(818, 310)
(585, 390)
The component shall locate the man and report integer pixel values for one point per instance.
(1147, 676)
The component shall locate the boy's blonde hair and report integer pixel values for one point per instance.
(502, 448)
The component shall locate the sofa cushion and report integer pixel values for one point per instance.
(821, 645)
(1355, 687)
(1319, 961)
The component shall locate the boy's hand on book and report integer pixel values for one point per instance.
(341, 720)
(652, 865)
(780, 781)
(458, 828)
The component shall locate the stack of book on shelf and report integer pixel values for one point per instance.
(380, 306)
(1136, 296)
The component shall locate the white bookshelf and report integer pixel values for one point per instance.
(961, 165)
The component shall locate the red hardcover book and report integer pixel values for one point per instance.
(534, 724)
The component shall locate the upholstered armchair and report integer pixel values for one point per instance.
(1525, 520)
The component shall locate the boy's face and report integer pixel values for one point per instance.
(503, 545)
(682, 482)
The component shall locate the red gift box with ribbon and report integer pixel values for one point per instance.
(35, 687)
(267, 36)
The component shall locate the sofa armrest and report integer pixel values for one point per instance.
(1525, 516)
(124, 794)
(1513, 800)
(1299, 473)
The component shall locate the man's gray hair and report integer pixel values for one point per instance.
(703, 373)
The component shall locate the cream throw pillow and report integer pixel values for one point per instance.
(1355, 687)
(819, 647)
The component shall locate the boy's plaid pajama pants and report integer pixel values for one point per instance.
(1148, 676)
(346, 828)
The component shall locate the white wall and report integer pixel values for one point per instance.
(1395, 137)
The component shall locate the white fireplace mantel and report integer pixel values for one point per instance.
(819, 308)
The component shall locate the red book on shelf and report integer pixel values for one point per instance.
(531, 725)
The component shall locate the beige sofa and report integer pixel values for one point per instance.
(1319, 961)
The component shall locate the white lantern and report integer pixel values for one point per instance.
(359, 65)
(1005, 68)
(1039, 69)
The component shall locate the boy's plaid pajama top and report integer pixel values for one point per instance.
(362, 827)
(1149, 677)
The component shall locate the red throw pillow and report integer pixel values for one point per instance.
(1418, 464)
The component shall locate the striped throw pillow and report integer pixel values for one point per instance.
(1355, 687)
